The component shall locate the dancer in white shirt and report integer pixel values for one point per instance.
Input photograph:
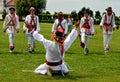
(31, 24)
(108, 26)
(60, 22)
(55, 50)
(11, 27)
(86, 30)
(70, 23)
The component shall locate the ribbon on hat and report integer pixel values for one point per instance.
(60, 41)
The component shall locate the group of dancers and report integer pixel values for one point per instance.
(55, 50)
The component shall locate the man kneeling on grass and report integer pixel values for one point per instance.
(55, 51)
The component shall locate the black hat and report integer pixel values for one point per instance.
(109, 9)
(12, 8)
(59, 32)
(86, 11)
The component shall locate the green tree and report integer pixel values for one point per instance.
(22, 6)
(4, 14)
(74, 15)
(97, 17)
(81, 12)
(97, 14)
(90, 12)
(47, 12)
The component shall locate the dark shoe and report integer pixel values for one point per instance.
(29, 51)
(12, 48)
(33, 50)
(107, 48)
(86, 51)
(82, 44)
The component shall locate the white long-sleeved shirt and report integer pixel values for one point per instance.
(50, 46)
(108, 20)
(91, 24)
(28, 19)
(70, 21)
(63, 23)
(6, 24)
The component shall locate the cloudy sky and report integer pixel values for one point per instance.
(70, 5)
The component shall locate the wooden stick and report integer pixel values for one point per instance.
(29, 71)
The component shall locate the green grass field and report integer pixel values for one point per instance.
(95, 67)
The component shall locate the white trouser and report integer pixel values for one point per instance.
(107, 38)
(42, 69)
(85, 39)
(31, 42)
(11, 39)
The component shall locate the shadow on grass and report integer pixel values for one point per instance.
(115, 52)
(71, 52)
(103, 53)
(26, 53)
(68, 77)
(96, 53)
(17, 53)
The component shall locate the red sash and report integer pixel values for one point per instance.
(105, 22)
(31, 26)
(86, 24)
(107, 26)
(54, 63)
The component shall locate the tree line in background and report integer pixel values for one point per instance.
(22, 6)
(47, 17)
(22, 9)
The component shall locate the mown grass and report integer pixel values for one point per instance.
(95, 67)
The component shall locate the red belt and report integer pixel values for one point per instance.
(54, 63)
(84, 26)
(107, 24)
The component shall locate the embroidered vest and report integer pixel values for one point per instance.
(105, 21)
(59, 24)
(86, 24)
(32, 24)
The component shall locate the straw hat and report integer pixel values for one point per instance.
(31, 8)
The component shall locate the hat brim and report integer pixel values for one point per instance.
(12, 8)
(108, 9)
(31, 9)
